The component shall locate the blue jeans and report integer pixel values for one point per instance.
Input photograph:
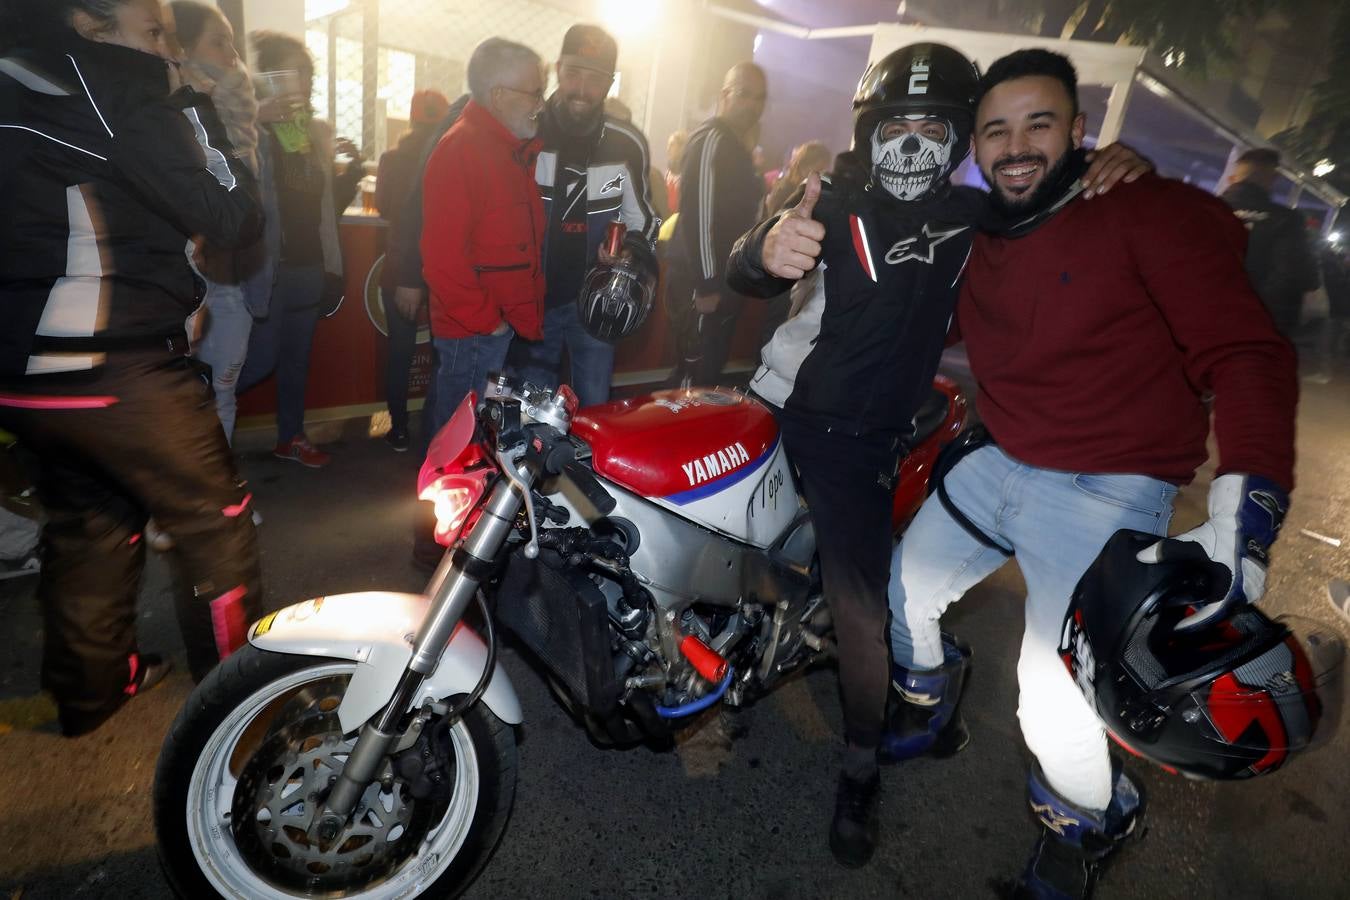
(281, 342)
(224, 346)
(1057, 523)
(592, 359)
(462, 365)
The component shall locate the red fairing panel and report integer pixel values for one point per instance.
(912, 486)
(677, 443)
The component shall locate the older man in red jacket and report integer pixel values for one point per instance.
(484, 223)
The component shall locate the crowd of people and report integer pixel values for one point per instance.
(174, 240)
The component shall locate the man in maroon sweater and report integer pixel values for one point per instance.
(1094, 330)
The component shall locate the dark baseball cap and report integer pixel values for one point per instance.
(589, 47)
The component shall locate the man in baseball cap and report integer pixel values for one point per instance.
(593, 170)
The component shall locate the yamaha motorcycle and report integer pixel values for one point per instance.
(654, 553)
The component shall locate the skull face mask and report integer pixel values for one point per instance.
(910, 164)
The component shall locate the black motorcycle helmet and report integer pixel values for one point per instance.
(1230, 701)
(615, 299)
(927, 78)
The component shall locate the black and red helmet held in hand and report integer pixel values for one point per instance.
(1230, 701)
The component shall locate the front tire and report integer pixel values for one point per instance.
(247, 749)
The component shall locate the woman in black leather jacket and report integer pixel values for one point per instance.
(107, 167)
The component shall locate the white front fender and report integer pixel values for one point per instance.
(376, 628)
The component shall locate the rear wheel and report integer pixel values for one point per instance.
(250, 758)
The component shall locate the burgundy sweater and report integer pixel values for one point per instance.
(1095, 338)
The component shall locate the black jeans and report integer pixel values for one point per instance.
(849, 482)
(138, 437)
(702, 343)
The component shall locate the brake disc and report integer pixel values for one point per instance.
(283, 787)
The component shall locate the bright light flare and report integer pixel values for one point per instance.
(317, 9)
(630, 18)
(453, 497)
(1335, 237)
(1324, 167)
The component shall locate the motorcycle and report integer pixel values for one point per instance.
(654, 554)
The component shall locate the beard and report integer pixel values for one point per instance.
(1038, 197)
(524, 126)
(577, 123)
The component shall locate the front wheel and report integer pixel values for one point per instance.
(250, 758)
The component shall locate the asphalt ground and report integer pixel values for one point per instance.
(740, 809)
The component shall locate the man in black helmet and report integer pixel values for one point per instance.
(849, 369)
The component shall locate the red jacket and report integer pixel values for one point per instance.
(1095, 337)
(483, 227)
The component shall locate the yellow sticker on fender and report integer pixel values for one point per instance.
(264, 625)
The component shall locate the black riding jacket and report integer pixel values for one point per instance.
(1280, 258)
(719, 198)
(103, 178)
(859, 352)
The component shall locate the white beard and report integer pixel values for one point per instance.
(908, 166)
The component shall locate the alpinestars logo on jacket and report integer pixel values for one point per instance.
(863, 344)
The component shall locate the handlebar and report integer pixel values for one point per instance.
(546, 447)
(548, 406)
(590, 487)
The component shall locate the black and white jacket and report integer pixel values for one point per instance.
(616, 183)
(720, 194)
(860, 349)
(103, 178)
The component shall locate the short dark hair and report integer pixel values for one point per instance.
(1261, 157)
(271, 49)
(1029, 62)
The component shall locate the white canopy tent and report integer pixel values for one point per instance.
(1122, 69)
(1110, 65)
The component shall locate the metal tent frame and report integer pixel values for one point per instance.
(1122, 68)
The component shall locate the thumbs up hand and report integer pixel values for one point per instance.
(793, 244)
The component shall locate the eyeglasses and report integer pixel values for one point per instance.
(537, 94)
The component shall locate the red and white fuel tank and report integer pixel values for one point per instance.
(708, 454)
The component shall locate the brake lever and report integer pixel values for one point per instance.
(509, 470)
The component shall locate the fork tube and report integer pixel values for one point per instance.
(456, 588)
(453, 589)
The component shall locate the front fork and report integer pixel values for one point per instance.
(452, 587)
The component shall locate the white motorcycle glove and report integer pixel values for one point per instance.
(1245, 514)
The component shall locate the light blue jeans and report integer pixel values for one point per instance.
(462, 365)
(592, 360)
(1056, 522)
(224, 346)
